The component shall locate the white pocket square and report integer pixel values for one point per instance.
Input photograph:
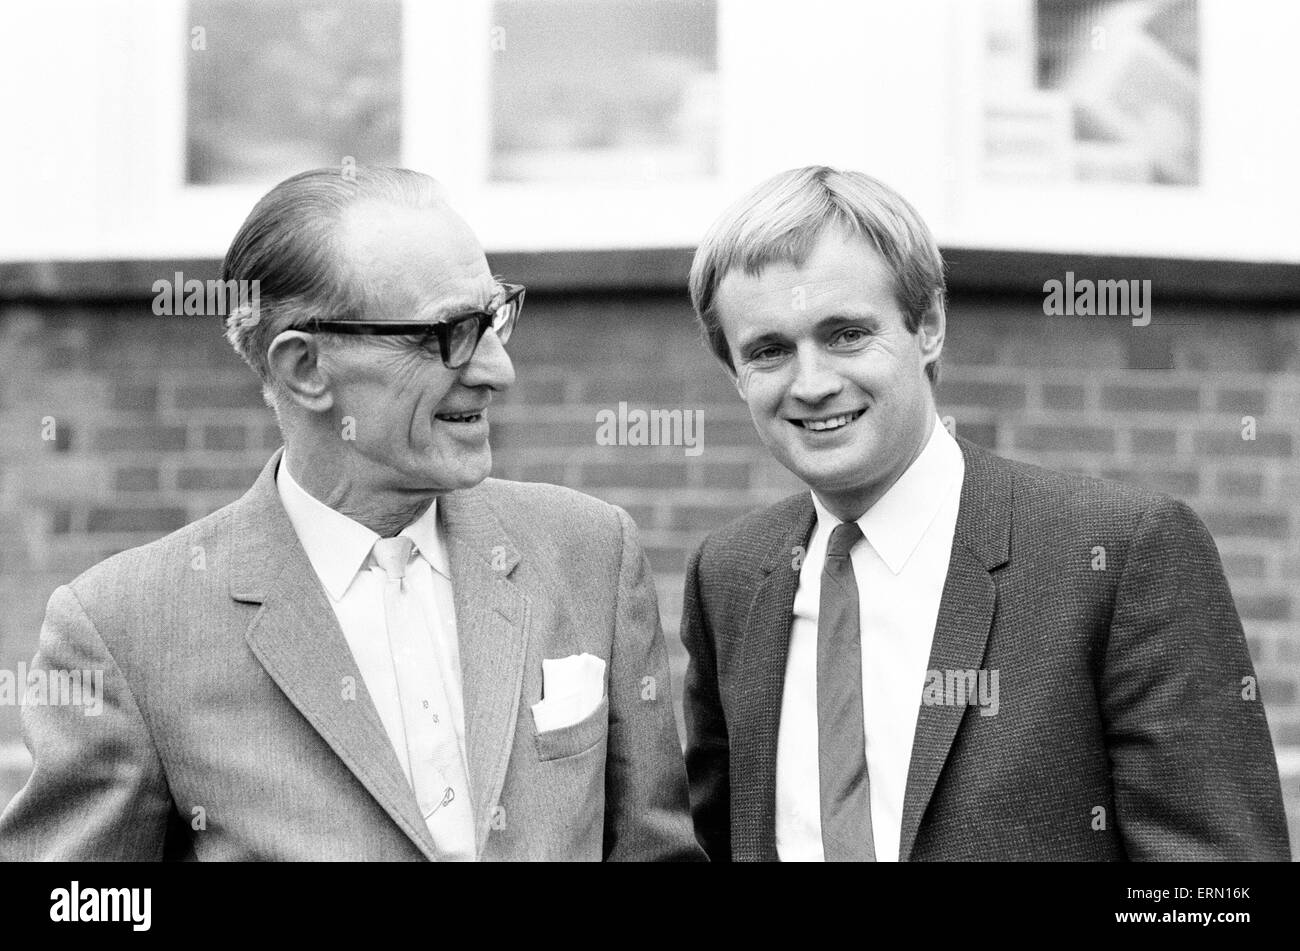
(572, 688)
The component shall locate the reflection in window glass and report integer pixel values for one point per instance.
(1092, 90)
(275, 87)
(604, 90)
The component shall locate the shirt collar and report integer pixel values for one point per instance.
(338, 546)
(895, 525)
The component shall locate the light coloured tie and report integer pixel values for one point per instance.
(438, 773)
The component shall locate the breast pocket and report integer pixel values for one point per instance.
(575, 738)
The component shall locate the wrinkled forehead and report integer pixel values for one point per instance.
(414, 263)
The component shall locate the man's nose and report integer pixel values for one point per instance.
(490, 365)
(814, 379)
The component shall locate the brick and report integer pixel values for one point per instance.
(223, 478)
(1247, 401)
(644, 474)
(1287, 730)
(225, 437)
(704, 518)
(1048, 438)
(136, 479)
(1150, 349)
(1244, 567)
(541, 432)
(62, 441)
(1064, 396)
(1145, 441)
(982, 393)
(232, 395)
(60, 520)
(1288, 653)
(1180, 483)
(642, 515)
(639, 392)
(271, 439)
(120, 519)
(1264, 607)
(140, 438)
(982, 434)
(1162, 399)
(1240, 484)
(726, 429)
(530, 390)
(1247, 524)
(668, 558)
(1228, 442)
(136, 397)
(1277, 691)
(719, 472)
(64, 357)
(552, 472)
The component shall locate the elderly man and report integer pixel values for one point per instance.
(375, 653)
(936, 653)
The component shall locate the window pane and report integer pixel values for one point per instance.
(279, 87)
(604, 90)
(1093, 90)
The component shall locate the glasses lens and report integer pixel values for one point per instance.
(503, 323)
(462, 337)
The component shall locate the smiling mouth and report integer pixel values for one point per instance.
(459, 417)
(828, 423)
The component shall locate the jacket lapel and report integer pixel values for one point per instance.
(297, 639)
(981, 543)
(762, 659)
(492, 615)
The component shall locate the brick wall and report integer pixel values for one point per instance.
(157, 423)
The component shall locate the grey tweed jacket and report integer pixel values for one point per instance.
(1126, 729)
(236, 724)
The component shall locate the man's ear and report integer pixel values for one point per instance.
(295, 361)
(930, 330)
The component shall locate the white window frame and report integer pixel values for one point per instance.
(98, 172)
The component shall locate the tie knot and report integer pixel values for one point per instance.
(392, 555)
(844, 536)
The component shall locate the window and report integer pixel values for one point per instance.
(1144, 127)
(604, 90)
(1093, 91)
(290, 86)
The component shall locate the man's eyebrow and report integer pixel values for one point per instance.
(771, 336)
(830, 321)
(848, 317)
(462, 305)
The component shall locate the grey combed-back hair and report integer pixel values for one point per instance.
(780, 222)
(288, 244)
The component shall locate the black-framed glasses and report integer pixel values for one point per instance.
(458, 337)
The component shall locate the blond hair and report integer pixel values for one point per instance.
(781, 220)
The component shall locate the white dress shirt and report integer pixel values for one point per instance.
(900, 565)
(339, 550)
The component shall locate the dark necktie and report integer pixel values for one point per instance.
(841, 742)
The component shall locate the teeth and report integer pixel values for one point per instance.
(835, 422)
(460, 418)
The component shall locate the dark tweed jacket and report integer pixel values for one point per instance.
(1120, 688)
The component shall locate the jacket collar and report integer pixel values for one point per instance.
(981, 544)
(297, 639)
